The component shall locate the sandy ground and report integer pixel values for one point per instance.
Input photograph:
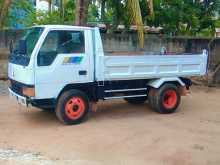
(117, 134)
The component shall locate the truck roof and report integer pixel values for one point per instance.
(65, 27)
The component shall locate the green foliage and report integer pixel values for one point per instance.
(44, 18)
(69, 12)
(177, 17)
(1, 2)
(19, 13)
(217, 23)
(208, 32)
(93, 13)
(53, 17)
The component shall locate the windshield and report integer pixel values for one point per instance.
(30, 36)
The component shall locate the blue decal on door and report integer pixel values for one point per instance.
(72, 60)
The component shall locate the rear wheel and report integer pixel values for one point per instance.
(166, 99)
(136, 100)
(151, 97)
(72, 107)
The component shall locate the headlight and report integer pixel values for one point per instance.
(28, 91)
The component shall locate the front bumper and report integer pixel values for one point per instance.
(20, 99)
(28, 102)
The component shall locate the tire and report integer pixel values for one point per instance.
(166, 99)
(136, 100)
(151, 97)
(72, 107)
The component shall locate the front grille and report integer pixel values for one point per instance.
(16, 87)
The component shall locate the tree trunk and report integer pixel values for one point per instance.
(3, 12)
(136, 19)
(150, 7)
(103, 2)
(116, 13)
(61, 11)
(81, 12)
(49, 5)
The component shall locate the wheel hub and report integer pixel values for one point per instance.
(74, 108)
(169, 99)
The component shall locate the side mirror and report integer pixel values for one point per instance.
(22, 47)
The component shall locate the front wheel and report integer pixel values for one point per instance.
(166, 99)
(72, 107)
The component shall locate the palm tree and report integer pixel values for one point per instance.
(62, 10)
(81, 12)
(3, 11)
(103, 3)
(136, 19)
(49, 5)
(150, 7)
(133, 7)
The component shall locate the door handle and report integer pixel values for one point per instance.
(82, 72)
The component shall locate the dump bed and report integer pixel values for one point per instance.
(133, 66)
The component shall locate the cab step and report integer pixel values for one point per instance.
(121, 97)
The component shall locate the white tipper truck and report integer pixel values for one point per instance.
(66, 69)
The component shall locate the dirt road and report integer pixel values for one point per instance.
(117, 134)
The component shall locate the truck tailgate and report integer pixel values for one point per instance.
(154, 66)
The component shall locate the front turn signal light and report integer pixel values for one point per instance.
(28, 91)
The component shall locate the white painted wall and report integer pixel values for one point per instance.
(43, 5)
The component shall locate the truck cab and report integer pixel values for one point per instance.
(51, 54)
(65, 68)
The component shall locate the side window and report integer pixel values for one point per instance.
(71, 42)
(60, 42)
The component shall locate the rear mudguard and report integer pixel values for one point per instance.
(157, 83)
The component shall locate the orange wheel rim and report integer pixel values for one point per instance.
(74, 108)
(170, 99)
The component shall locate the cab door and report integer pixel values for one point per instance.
(63, 58)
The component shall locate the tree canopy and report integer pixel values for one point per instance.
(176, 17)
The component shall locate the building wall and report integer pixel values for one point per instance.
(128, 42)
